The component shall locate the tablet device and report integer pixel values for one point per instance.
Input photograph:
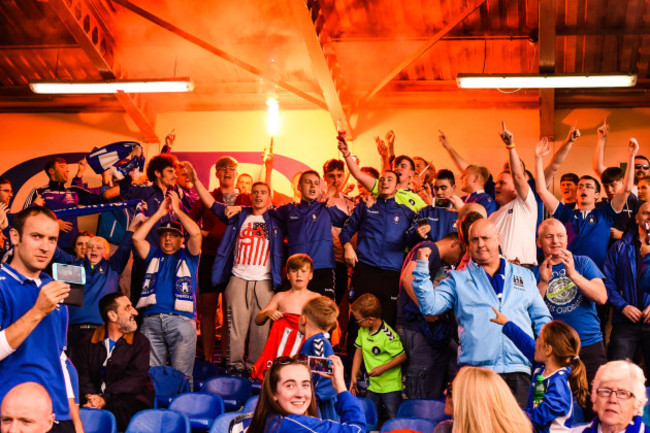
(75, 276)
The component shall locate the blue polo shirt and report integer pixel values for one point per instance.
(38, 358)
(587, 234)
(441, 220)
(566, 302)
(166, 279)
(484, 199)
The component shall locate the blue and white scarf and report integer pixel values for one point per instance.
(183, 293)
(636, 426)
(106, 157)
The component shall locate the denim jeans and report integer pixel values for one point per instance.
(172, 337)
(391, 401)
(427, 370)
(626, 337)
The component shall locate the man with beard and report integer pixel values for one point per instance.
(113, 363)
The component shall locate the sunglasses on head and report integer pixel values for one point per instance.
(643, 166)
(284, 360)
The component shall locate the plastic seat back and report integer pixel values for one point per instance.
(222, 423)
(200, 408)
(250, 404)
(168, 383)
(159, 421)
(97, 420)
(423, 408)
(419, 425)
(203, 371)
(233, 390)
(370, 410)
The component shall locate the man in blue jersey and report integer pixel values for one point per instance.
(588, 227)
(168, 295)
(32, 321)
(571, 286)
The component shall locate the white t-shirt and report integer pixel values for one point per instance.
(251, 261)
(517, 223)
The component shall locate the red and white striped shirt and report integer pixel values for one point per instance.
(251, 261)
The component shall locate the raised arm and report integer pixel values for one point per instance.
(204, 194)
(516, 169)
(140, 243)
(542, 148)
(561, 154)
(192, 228)
(455, 156)
(382, 150)
(619, 199)
(599, 151)
(365, 179)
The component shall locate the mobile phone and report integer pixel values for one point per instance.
(75, 276)
(320, 364)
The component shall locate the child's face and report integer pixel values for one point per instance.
(363, 322)
(541, 349)
(300, 278)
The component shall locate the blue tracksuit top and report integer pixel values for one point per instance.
(100, 280)
(484, 199)
(382, 233)
(38, 358)
(555, 412)
(309, 229)
(621, 277)
(471, 295)
(57, 196)
(441, 220)
(319, 345)
(223, 262)
(353, 420)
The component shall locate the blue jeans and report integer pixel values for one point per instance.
(626, 338)
(391, 401)
(172, 337)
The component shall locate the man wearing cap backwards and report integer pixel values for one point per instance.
(169, 289)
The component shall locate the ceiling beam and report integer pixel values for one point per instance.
(325, 66)
(98, 44)
(547, 33)
(423, 49)
(214, 50)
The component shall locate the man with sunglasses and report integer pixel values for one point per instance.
(588, 227)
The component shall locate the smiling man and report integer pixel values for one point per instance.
(249, 262)
(113, 363)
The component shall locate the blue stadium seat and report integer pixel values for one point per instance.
(233, 390)
(419, 425)
(203, 370)
(97, 421)
(168, 383)
(200, 408)
(423, 408)
(370, 410)
(222, 423)
(250, 404)
(159, 421)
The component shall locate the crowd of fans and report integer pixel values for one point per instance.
(494, 289)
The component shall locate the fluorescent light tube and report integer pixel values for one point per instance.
(540, 81)
(126, 86)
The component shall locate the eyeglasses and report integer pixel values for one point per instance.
(643, 166)
(621, 394)
(359, 322)
(285, 360)
(227, 168)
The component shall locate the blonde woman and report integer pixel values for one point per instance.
(483, 403)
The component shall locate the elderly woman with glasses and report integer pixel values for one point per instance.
(287, 403)
(618, 396)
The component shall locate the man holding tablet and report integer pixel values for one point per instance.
(32, 321)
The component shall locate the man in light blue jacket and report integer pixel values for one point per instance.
(487, 281)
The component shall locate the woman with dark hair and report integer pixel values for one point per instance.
(287, 402)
